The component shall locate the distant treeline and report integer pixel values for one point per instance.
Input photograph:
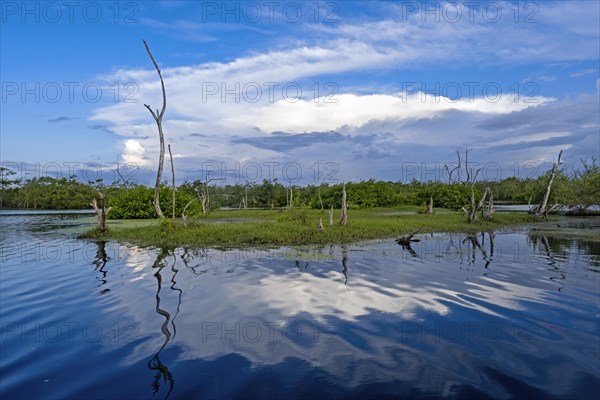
(580, 189)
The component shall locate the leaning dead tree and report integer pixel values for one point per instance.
(158, 117)
(344, 213)
(184, 211)
(101, 211)
(541, 210)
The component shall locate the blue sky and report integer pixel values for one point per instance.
(388, 90)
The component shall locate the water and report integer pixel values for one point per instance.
(501, 315)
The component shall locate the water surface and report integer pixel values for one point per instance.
(509, 314)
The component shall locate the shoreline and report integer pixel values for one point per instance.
(275, 228)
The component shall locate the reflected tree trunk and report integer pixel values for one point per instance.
(100, 262)
(345, 263)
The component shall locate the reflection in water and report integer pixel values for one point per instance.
(469, 317)
(552, 263)
(297, 263)
(488, 259)
(100, 262)
(456, 247)
(155, 364)
(407, 247)
(345, 263)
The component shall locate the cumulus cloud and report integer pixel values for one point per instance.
(134, 153)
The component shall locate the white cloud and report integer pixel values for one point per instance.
(202, 126)
(134, 153)
(584, 73)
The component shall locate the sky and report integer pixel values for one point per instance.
(302, 92)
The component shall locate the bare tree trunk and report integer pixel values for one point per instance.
(344, 215)
(542, 209)
(173, 176)
(183, 212)
(101, 211)
(203, 204)
(246, 197)
(430, 206)
(331, 216)
(458, 167)
(158, 116)
(320, 225)
(467, 166)
(471, 213)
(206, 196)
(490, 209)
(320, 200)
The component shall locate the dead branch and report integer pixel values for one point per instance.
(125, 183)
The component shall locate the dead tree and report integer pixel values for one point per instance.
(430, 206)
(471, 213)
(320, 225)
(290, 198)
(456, 169)
(331, 216)
(101, 211)
(183, 212)
(126, 183)
(542, 210)
(173, 176)
(158, 117)
(344, 214)
(487, 215)
(320, 199)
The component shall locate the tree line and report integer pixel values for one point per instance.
(576, 191)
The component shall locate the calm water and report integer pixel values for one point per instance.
(504, 315)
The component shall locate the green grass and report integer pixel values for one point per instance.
(260, 228)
